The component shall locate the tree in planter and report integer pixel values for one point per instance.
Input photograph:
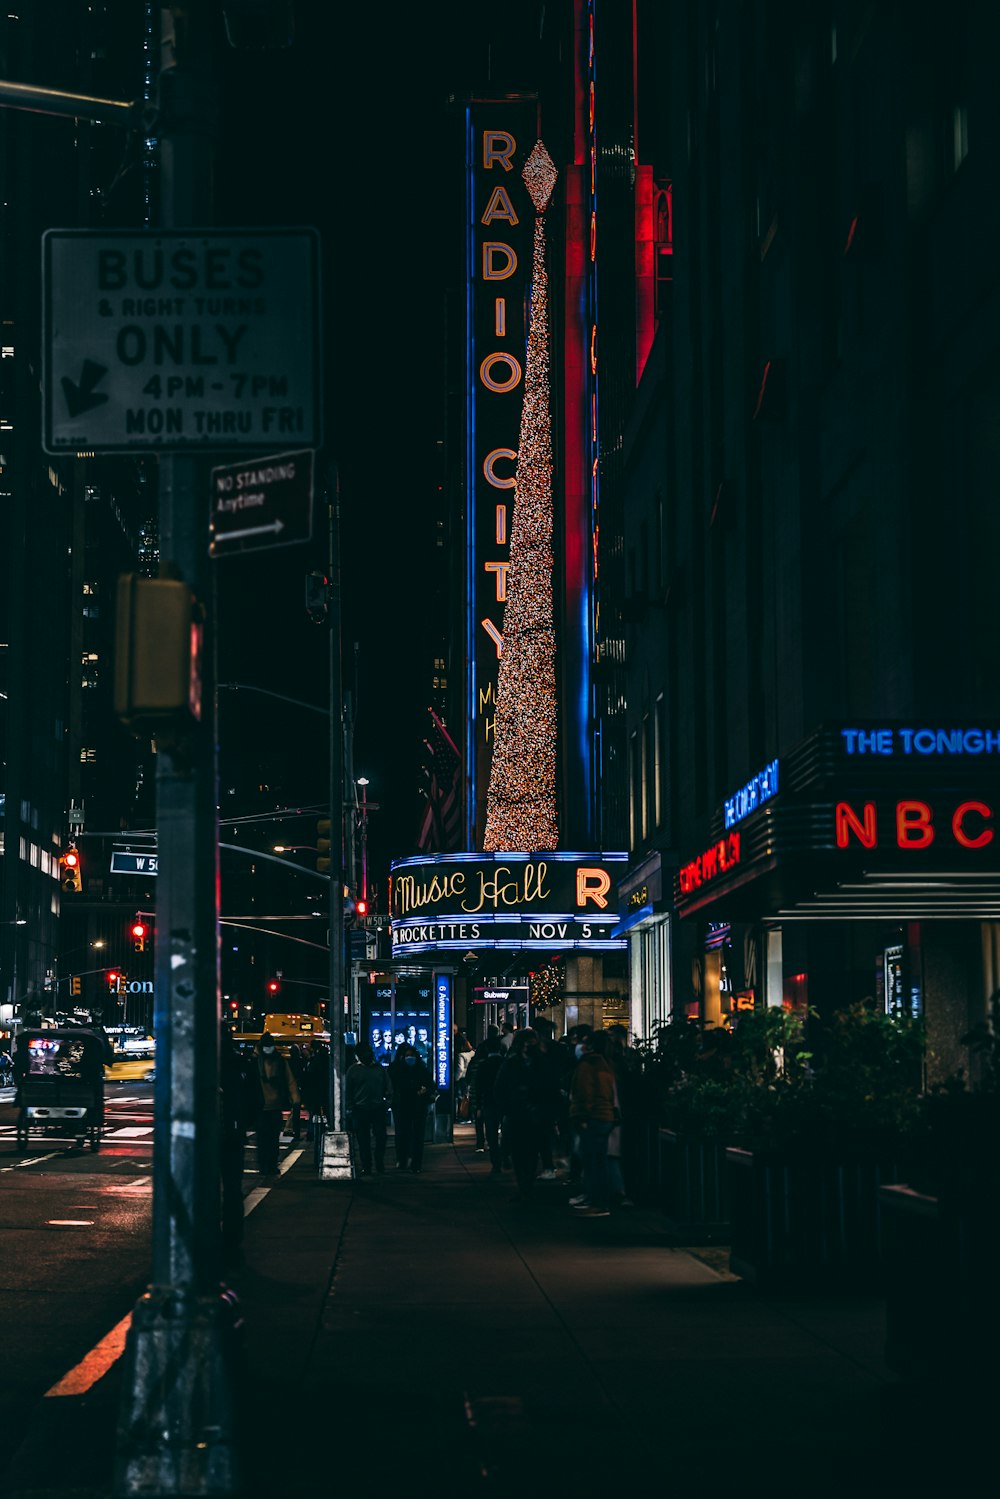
(859, 1102)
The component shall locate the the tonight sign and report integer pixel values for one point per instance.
(547, 901)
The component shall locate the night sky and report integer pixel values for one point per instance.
(350, 131)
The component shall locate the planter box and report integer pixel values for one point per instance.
(695, 1189)
(942, 1301)
(805, 1226)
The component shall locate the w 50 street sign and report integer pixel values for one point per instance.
(185, 340)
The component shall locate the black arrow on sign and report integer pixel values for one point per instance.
(84, 397)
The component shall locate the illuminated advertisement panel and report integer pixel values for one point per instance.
(442, 1031)
(548, 901)
(500, 218)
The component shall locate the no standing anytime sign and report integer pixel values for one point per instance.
(183, 340)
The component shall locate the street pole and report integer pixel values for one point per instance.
(175, 1428)
(335, 1158)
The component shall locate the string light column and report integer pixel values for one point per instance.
(521, 799)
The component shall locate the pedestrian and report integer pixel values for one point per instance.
(278, 1091)
(298, 1062)
(524, 1095)
(482, 1091)
(316, 1087)
(412, 1093)
(592, 1112)
(366, 1092)
(235, 1117)
(477, 1095)
(464, 1052)
(554, 1058)
(506, 1035)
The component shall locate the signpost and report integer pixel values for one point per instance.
(129, 863)
(180, 341)
(266, 502)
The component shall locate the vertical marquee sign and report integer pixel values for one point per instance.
(500, 219)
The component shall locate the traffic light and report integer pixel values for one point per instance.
(323, 846)
(273, 986)
(361, 907)
(113, 976)
(317, 597)
(74, 986)
(139, 930)
(234, 1009)
(70, 866)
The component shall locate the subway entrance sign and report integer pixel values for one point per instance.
(180, 341)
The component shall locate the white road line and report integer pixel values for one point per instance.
(130, 1132)
(34, 1161)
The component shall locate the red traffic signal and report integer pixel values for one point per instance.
(139, 930)
(273, 987)
(70, 863)
(113, 976)
(361, 907)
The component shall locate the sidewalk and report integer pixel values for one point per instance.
(426, 1335)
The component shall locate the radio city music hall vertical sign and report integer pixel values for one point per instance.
(501, 135)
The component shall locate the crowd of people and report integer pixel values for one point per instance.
(542, 1107)
(539, 1103)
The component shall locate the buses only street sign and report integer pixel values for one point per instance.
(179, 341)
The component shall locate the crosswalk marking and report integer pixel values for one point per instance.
(130, 1132)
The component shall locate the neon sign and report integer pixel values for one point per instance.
(759, 789)
(500, 216)
(715, 861)
(550, 901)
(934, 742)
(914, 825)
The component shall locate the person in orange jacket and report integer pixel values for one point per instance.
(592, 1114)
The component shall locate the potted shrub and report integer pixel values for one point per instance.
(817, 1144)
(704, 1108)
(941, 1225)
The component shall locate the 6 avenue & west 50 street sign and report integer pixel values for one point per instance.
(182, 340)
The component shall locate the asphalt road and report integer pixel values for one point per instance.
(74, 1244)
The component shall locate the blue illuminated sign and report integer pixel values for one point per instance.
(925, 742)
(758, 790)
(442, 1030)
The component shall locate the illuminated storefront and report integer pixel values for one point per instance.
(892, 829)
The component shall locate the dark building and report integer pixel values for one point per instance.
(811, 687)
(70, 525)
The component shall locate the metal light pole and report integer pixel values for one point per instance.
(335, 1160)
(364, 783)
(176, 1419)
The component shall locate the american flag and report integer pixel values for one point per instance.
(441, 827)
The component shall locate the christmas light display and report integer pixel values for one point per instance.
(547, 986)
(521, 803)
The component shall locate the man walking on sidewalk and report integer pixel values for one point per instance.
(366, 1092)
(592, 1114)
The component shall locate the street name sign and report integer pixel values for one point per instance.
(182, 341)
(129, 863)
(263, 502)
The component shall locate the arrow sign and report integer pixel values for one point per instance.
(275, 527)
(83, 396)
(265, 502)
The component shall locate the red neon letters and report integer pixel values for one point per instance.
(711, 864)
(914, 826)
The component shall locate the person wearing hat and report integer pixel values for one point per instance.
(278, 1091)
